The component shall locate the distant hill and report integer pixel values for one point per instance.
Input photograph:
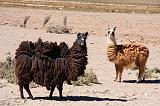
(121, 6)
(143, 2)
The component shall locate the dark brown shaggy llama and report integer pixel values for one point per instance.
(38, 64)
(71, 67)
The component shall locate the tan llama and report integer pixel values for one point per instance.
(125, 56)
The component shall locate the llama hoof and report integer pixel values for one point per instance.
(23, 97)
(48, 88)
(115, 80)
(31, 97)
(62, 98)
(50, 98)
(138, 81)
(143, 79)
(69, 82)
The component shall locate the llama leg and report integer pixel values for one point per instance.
(51, 92)
(69, 82)
(116, 66)
(26, 86)
(60, 88)
(21, 90)
(120, 76)
(141, 72)
(120, 70)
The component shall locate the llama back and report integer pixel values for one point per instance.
(128, 54)
(23, 66)
(25, 47)
(51, 49)
(135, 52)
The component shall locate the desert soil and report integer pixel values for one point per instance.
(135, 28)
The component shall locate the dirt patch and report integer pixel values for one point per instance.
(131, 28)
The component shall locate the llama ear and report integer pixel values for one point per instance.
(115, 28)
(108, 27)
(86, 33)
(78, 35)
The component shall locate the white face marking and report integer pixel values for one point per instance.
(111, 40)
(82, 39)
(81, 44)
(111, 33)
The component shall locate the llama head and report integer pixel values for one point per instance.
(81, 39)
(111, 35)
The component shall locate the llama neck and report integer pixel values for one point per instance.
(77, 61)
(111, 41)
(111, 49)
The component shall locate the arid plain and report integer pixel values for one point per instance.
(131, 28)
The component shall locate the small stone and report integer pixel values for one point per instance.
(25, 100)
(146, 94)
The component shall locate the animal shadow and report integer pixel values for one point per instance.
(143, 81)
(81, 98)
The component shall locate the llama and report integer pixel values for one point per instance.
(74, 64)
(34, 62)
(126, 55)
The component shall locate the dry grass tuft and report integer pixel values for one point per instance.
(87, 79)
(65, 21)
(58, 30)
(46, 19)
(151, 73)
(7, 72)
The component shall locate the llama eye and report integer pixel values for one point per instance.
(108, 32)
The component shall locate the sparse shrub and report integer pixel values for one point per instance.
(65, 21)
(46, 19)
(33, 85)
(58, 30)
(151, 73)
(156, 70)
(26, 18)
(7, 71)
(87, 79)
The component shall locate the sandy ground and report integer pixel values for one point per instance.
(135, 28)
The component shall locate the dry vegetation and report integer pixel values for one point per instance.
(60, 29)
(89, 78)
(151, 73)
(7, 72)
(124, 6)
